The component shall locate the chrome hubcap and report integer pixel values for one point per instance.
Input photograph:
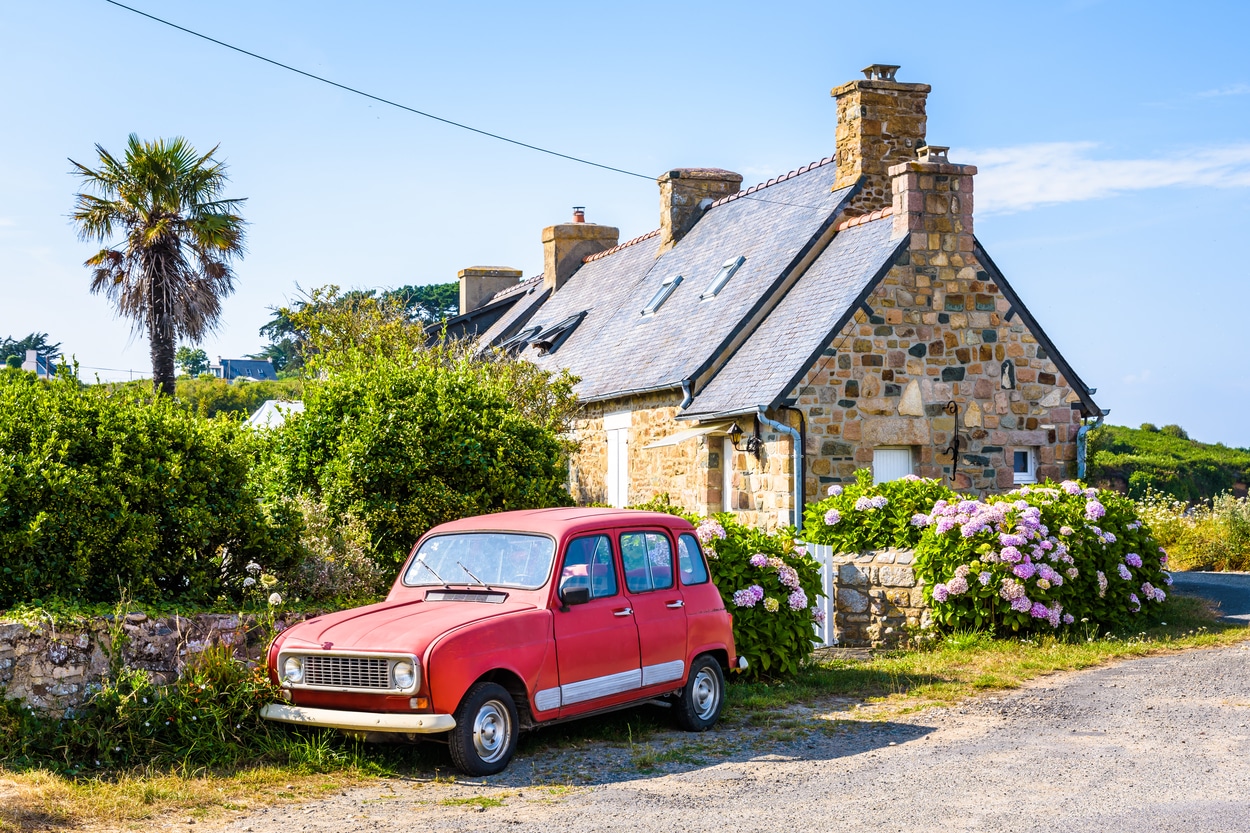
(705, 693)
(492, 729)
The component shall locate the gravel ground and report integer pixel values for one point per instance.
(1157, 744)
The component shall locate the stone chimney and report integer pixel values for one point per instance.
(933, 203)
(881, 122)
(479, 283)
(566, 245)
(685, 193)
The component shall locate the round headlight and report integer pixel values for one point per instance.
(293, 670)
(404, 674)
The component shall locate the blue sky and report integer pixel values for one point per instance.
(1113, 140)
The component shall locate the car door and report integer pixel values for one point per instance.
(651, 585)
(597, 651)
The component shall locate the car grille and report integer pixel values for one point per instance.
(346, 672)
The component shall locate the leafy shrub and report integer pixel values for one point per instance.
(208, 396)
(105, 491)
(336, 565)
(863, 517)
(1038, 558)
(1214, 536)
(770, 586)
(405, 443)
(1164, 460)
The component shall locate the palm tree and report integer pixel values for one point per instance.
(172, 267)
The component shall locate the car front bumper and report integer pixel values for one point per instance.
(359, 721)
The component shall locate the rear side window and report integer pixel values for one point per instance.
(690, 560)
(588, 563)
(648, 561)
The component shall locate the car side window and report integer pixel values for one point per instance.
(588, 563)
(648, 561)
(690, 560)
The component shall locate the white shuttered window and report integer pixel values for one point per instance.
(890, 464)
(617, 427)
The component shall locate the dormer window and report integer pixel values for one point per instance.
(661, 295)
(515, 345)
(722, 277)
(550, 339)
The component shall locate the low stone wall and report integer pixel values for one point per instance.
(872, 597)
(56, 668)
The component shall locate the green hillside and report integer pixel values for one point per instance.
(1165, 460)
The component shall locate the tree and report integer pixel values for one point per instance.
(192, 362)
(35, 341)
(172, 267)
(428, 304)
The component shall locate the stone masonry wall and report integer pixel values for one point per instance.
(56, 669)
(876, 598)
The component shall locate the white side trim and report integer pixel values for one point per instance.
(359, 721)
(596, 687)
(617, 420)
(662, 673)
(547, 699)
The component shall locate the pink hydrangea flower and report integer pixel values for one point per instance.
(759, 560)
(1021, 605)
(1094, 510)
(940, 593)
(1102, 584)
(832, 517)
(957, 586)
(798, 600)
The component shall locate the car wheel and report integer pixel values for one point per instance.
(486, 730)
(699, 704)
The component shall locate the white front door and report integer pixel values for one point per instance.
(617, 427)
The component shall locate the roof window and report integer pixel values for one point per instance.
(550, 339)
(722, 277)
(520, 341)
(661, 295)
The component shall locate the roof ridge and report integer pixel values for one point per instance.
(617, 248)
(879, 214)
(747, 192)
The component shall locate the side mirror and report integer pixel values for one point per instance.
(570, 596)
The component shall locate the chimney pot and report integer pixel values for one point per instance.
(880, 72)
(566, 245)
(934, 153)
(579, 214)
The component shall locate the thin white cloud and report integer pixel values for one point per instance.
(1231, 89)
(5, 222)
(1018, 178)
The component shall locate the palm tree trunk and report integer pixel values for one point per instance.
(161, 340)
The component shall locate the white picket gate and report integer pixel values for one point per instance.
(827, 602)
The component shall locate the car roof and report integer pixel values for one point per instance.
(562, 521)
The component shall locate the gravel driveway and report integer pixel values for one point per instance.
(1157, 744)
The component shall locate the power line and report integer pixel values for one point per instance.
(423, 113)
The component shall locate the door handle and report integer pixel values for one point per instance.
(625, 611)
(675, 605)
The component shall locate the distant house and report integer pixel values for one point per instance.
(43, 366)
(763, 344)
(255, 370)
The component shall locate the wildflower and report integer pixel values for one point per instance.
(771, 605)
(249, 581)
(275, 599)
(798, 600)
(1124, 572)
(835, 489)
(267, 581)
(833, 516)
(252, 567)
(1102, 584)
(984, 577)
(1132, 559)
(759, 560)
(1094, 510)
(940, 593)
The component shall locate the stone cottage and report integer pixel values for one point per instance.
(762, 344)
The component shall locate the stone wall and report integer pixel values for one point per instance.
(876, 598)
(56, 668)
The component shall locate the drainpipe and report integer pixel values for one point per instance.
(797, 443)
(687, 394)
(1080, 445)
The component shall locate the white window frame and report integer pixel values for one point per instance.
(616, 425)
(727, 475)
(1029, 476)
(722, 277)
(661, 295)
(894, 460)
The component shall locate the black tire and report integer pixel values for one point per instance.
(485, 736)
(699, 705)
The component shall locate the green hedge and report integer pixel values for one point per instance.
(105, 492)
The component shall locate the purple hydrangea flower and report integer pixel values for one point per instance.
(984, 577)
(789, 577)
(940, 593)
(1021, 605)
(863, 503)
(798, 600)
(708, 529)
(1039, 611)
(1011, 555)
(835, 490)
(818, 615)
(945, 525)
(1132, 597)
(1132, 559)
(1071, 487)
(1123, 571)
(1094, 510)
(1102, 584)
(919, 520)
(832, 517)
(759, 560)
(1066, 530)
(1024, 570)
(879, 502)
(958, 585)
(1068, 619)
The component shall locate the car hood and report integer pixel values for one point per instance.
(407, 626)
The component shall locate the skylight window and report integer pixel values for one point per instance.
(550, 339)
(722, 277)
(520, 341)
(661, 295)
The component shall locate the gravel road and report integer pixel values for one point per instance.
(1157, 744)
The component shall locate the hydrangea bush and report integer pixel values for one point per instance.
(1038, 558)
(770, 586)
(862, 516)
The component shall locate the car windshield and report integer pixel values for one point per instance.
(506, 559)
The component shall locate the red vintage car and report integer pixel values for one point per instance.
(508, 622)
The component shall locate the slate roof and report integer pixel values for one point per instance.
(616, 350)
(522, 300)
(769, 364)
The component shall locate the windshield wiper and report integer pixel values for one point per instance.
(475, 578)
(442, 580)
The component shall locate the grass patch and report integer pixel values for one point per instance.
(479, 801)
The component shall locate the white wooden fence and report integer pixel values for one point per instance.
(827, 602)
